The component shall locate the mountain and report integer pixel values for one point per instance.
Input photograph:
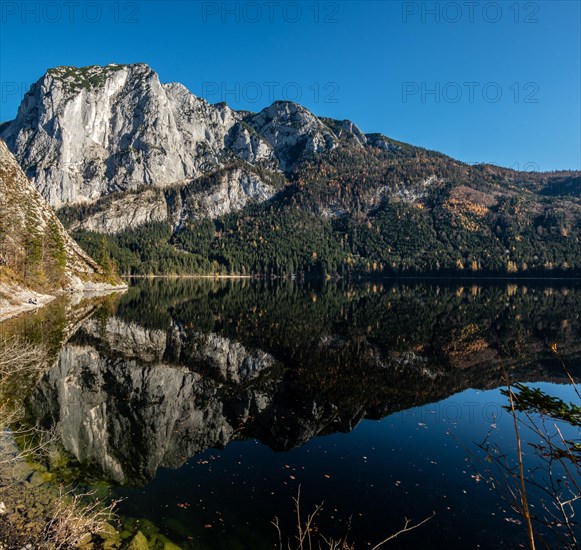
(37, 255)
(159, 181)
(81, 134)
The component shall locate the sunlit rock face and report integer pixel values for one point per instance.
(232, 191)
(224, 191)
(84, 133)
(292, 131)
(127, 211)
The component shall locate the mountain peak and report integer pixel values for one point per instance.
(92, 76)
(85, 132)
(292, 131)
(64, 70)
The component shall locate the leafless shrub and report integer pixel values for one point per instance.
(18, 357)
(308, 536)
(18, 442)
(544, 489)
(69, 517)
(75, 517)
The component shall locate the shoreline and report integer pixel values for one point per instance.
(359, 279)
(189, 277)
(22, 296)
(15, 300)
(9, 312)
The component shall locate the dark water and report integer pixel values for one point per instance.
(207, 404)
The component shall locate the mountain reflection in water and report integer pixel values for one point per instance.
(173, 369)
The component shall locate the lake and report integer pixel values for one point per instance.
(206, 404)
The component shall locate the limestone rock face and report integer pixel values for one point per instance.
(223, 191)
(229, 191)
(381, 142)
(292, 131)
(245, 142)
(83, 133)
(348, 132)
(128, 211)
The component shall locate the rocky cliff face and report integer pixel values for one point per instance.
(223, 191)
(82, 133)
(292, 131)
(232, 190)
(35, 250)
(125, 211)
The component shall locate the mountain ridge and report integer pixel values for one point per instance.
(149, 172)
(48, 121)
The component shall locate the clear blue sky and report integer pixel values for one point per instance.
(480, 83)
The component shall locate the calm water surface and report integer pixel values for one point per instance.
(206, 404)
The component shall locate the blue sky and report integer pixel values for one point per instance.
(484, 81)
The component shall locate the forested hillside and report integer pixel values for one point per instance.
(372, 211)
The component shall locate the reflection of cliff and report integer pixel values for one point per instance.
(130, 411)
(130, 397)
(131, 419)
(46, 331)
(221, 357)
